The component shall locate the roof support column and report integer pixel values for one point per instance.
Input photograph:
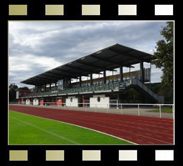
(91, 79)
(104, 76)
(69, 82)
(45, 87)
(50, 86)
(142, 71)
(121, 73)
(80, 80)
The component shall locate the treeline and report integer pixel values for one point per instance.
(162, 90)
(12, 91)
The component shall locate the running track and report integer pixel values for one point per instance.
(137, 129)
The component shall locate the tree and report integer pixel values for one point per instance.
(23, 88)
(12, 91)
(164, 55)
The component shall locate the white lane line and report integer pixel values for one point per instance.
(45, 130)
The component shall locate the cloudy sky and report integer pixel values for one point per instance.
(38, 46)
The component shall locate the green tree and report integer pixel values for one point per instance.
(23, 88)
(12, 91)
(164, 55)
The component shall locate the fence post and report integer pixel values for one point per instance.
(121, 109)
(173, 110)
(107, 108)
(160, 110)
(138, 110)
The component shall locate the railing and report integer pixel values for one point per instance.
(101, 87)
(141, 85)
(138, 109)
(116, 86)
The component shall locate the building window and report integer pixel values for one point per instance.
(98, 99)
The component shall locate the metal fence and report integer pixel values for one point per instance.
(138, 109)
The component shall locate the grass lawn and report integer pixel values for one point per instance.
(31, 130)
(165, 110)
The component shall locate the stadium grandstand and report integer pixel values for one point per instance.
(92, 90)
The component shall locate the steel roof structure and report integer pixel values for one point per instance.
(108, 58)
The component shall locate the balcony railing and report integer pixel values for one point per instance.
(101, 87)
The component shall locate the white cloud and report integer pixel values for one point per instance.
(25, 62)
(24, 67)
(38, 46)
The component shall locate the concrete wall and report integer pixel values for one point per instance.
(22, 101)
(27, 102)
(72, 101)
(17, 94)
(19, 101)
(35, 102)
(59, 101)
(99, 101)
(41, 101)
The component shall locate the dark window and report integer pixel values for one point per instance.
(98, 99)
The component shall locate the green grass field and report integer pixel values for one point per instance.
(163, 110)
(31, 130)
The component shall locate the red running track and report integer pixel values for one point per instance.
(137, 129)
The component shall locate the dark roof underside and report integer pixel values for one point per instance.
(106, 59)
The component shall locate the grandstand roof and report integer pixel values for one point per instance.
(108, 58)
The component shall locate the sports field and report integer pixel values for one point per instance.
(27, 129)
(36, 125)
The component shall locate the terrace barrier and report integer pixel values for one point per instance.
(98, 87)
